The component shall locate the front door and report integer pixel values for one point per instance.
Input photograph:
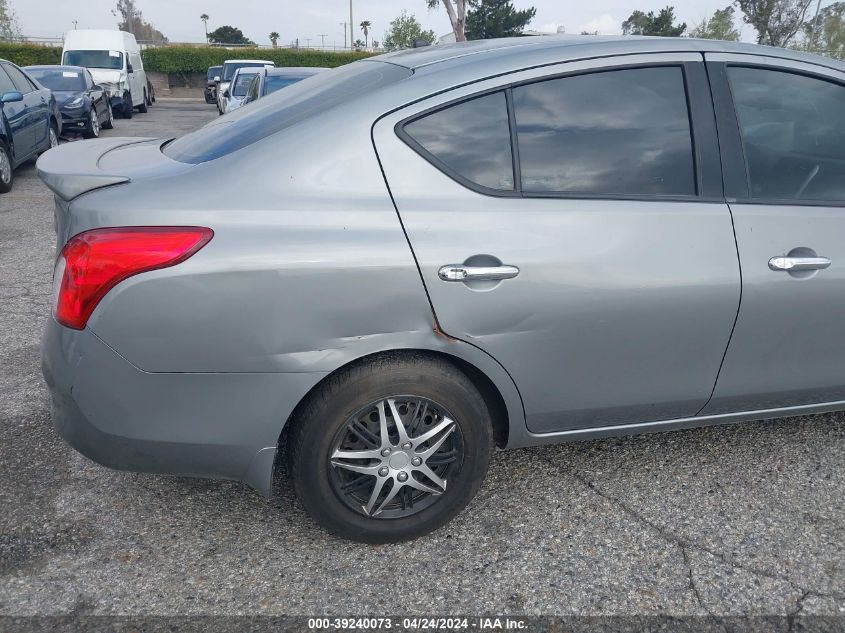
(17, 115)
(565, 223)
(788, 204)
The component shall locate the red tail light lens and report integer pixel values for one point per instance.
(94, 262)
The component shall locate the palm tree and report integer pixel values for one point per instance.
(204, 18)
(274, 38)
(365, 26)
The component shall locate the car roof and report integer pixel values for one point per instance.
(77, 69)
(513, 52)
(248, 61)
(295, 70)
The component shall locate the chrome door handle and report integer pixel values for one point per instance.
(460, 272)
(799, 263)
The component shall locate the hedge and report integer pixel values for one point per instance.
(30, 54)
(197, 59)
(188, 59)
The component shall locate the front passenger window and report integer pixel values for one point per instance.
(793, 133)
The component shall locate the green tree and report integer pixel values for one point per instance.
(719, 27)
(132, 20)
(662, 24)
(777, 22)
(274, 39)
(404, 31)
(204, 18)
(457, 12)
(826, 34)
(228, 35)
(487, 19)
(365, 27)
(9, 28)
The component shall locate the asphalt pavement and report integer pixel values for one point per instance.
(736, 520)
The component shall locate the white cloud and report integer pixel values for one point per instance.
(605, 24)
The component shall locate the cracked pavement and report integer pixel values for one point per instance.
(722, 521)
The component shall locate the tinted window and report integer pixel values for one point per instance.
(59, 80)
(283, 109)
(6, 84)
(94, 59)
(615, 132)
(213, 72)
(230, 68)
(21, 83)
(793, 132)
(471, 138)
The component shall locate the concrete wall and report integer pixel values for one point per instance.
(177, 84)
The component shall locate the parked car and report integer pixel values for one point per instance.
(229, 68)
(151, 93)
(273, 79)
(31, 123)
(114, 59)
(212, 76)
(236, 94)
(390, 302)
(85, 106)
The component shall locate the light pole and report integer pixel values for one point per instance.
(351, 28)
(322, 37)
(74, 24)
(344, 34)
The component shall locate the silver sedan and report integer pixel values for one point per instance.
(497, 243)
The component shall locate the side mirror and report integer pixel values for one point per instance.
(217, 78)
(129, 68)
(225, 94)
(11, 96)
(97, 87)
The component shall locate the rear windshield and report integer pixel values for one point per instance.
(94, 59)
(272, 84)
(213, 72)
(230, 68)
(59, 80)
(282, 109)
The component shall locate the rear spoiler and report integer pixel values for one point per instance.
(73, 168)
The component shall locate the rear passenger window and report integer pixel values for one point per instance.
(470, 139)
(618, 132)
(793, 133)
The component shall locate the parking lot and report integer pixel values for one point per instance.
(735, 520)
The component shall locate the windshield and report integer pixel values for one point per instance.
(94, 59)
(287, 107)
(242, 84)
(272, 84)
(229, 68)
(213, 72)
(59, 80)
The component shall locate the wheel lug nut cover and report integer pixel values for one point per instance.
(416, 461)
(386, 452)
(403, 477)
(406, 445)
(383, 471)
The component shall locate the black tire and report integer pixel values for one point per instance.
(127, 105)
(324, 417)
(142, 108)
(109, 123)
(6, 185)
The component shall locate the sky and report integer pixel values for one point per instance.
(307, 19)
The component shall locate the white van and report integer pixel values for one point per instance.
(114, 59)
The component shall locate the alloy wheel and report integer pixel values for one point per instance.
(95, 123)
(393, 458)
(54, 139)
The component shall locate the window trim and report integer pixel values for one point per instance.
(738, 185)
(707, 172)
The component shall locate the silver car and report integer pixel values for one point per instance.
(499, 243)
(237, 94)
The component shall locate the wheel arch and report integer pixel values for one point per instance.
(494, 384)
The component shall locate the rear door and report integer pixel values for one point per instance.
(782, 128)
(570, 222)
(17, 116)
(37, 108)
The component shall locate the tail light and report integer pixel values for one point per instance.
(94, 262)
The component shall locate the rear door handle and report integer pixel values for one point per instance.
(792, 264)
(461, 272)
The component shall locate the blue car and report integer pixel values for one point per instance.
(84, 105)
(31, 123)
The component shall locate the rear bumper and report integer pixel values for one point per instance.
(204, 425)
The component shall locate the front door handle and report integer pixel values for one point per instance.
(792, 264)
(462, 272)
